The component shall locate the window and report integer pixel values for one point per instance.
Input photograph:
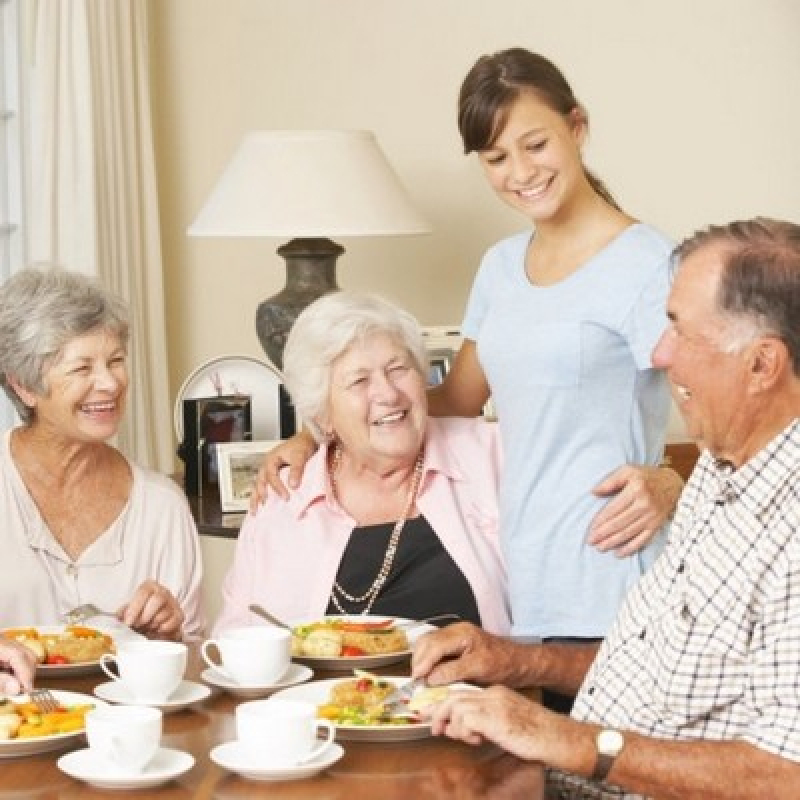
(12, 254)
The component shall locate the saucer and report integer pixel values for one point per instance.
(296, 673)
(232, 756)
(86, 766)
(187, 694)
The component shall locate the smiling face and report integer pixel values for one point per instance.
(534, 164)
(377, 405)
(86, 387)
(712, 385)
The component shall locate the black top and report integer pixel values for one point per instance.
(423, 581)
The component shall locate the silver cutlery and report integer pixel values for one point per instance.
(44, 699)
(81, 614)
(264, 614)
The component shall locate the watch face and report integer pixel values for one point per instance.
(610, 743)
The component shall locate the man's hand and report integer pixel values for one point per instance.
(154, 612)
(293, 453)
(644, 498)
(464, 652)
(17, 667)
(503, 716)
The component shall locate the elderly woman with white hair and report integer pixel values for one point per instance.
(81, 523)
(397, 514)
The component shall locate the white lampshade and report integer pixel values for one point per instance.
(315, 183)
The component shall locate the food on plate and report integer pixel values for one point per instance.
(363, 701)
(333, 637)
(76, 644)
(28, 721)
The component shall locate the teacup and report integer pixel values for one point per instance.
(281, 732)
(150, 670)
(254, 656)
(125, 736)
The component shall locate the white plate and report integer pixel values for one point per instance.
(362, 662)
(318, 693)
(86, 766)
(12, 748)
(232, 756)
(236, 375)
(117, 632)
(187, 694)
(296, 674)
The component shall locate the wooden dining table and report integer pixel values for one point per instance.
(433, 767)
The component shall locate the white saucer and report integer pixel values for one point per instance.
(187, 694)
(86, 766)
(232, 756)
(297, 673)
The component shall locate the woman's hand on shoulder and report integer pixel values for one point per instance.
(294, 453)
(154, 612)
(642, 500)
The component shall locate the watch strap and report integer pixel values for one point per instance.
(602, 766)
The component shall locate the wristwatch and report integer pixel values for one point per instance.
(609, 745)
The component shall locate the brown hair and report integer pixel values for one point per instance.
(760, 280)
(494, 84)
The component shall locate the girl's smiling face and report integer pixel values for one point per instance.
(534, 164)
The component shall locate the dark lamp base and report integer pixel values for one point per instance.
(310, 273)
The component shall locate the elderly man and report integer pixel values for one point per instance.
(696, 690)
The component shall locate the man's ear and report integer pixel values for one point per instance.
(769, 362)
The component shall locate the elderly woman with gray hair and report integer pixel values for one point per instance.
(81, 523)
(397, 513)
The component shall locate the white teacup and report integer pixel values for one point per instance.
(125, 736)
(150, 670)
(281, 732)
(254, 656)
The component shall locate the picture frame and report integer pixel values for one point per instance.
(208, 421)
(442, 343)
(238, 464)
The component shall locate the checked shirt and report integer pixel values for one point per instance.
(707, 645)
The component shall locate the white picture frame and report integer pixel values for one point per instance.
(238, 464)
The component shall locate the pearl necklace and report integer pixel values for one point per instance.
(374, 590)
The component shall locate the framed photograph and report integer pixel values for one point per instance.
(442, 343)
(206, 422)
(238, 464)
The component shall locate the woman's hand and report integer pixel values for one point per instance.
(293, 453)
(644, 498)
(17, 667)
(154, 612)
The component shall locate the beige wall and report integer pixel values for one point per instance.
(693, 108)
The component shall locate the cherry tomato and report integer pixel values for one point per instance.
(351, 650)
(55, 658)
(364, 685)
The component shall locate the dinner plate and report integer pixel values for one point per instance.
(117, 632)
(86, 766)
(318, 693)
(13, 748)
(363, 662)
(297, 673)
(236, 375)
(187, 694)
(232, 756)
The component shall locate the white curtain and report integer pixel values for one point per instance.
(93, 204)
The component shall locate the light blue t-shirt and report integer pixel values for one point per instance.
(576, 396)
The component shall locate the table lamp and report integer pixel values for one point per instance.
(308, 185)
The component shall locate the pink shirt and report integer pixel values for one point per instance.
(288, 554)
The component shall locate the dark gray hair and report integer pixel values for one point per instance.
(41, 310)
(760, 282)
(325, 330)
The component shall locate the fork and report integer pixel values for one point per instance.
(45, 700)
(399, 699)
(80, 614)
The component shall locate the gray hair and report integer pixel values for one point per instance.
(325, 330)
(41, 310)
(759, 290)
